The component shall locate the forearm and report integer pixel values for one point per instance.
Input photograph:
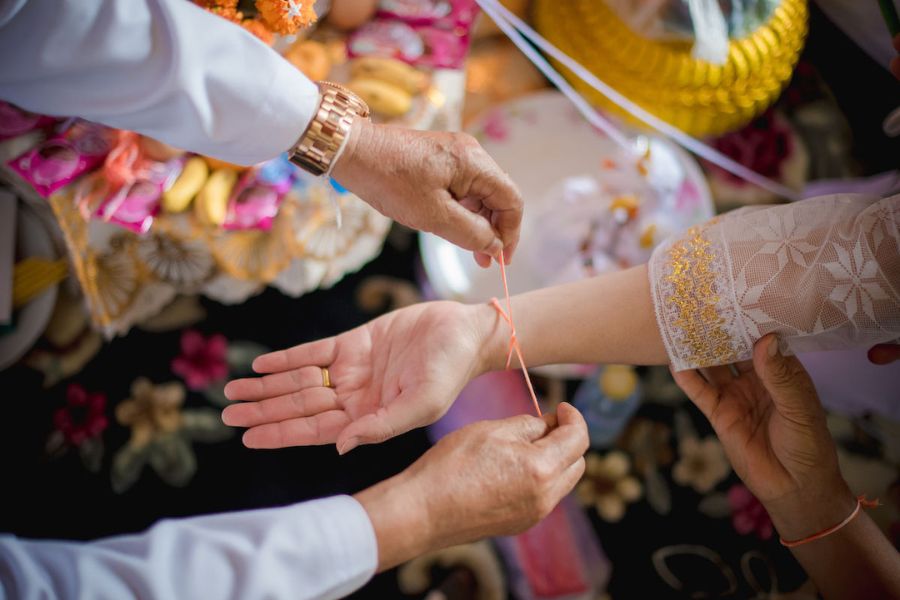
(857, 561)
(606, 319)
(399, 519)
(163, 68)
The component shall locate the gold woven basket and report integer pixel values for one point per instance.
(697, 96)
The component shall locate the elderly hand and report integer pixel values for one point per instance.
(443, 183)
(487, 479)
(773, 429)
(397, 372)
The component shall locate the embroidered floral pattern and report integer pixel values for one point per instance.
(702, 464)
(203, 361)
(161, 434)
(820, 273)
(748, 514)
(608, 486)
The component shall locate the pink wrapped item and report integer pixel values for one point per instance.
(64, 157)
(15, 122)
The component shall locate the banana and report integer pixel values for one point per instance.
(189, 183)
(211, 203)
(391, 71)
(382, 97)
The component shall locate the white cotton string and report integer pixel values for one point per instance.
(509, 22)
(590, 113)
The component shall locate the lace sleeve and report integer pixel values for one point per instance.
(823, 274)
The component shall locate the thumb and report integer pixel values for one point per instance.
(524, 427)
(391, 420)
(787, 382)
(467, 229)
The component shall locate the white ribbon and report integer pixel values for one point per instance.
(515, 29)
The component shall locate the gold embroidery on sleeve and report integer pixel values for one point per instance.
(694, 298)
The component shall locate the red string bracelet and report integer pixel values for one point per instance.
(861, 502)
(513, 340)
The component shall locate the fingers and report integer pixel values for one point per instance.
(467, 229)
(524, 427)
(569, 440)
(500, 196)
(320, 353)
(701, 393)
(744, 366)
(276, 384)
(719, 375)
(304, 403)
(787, 382)
(307, 431)
(884, 354)
(568, 479)
(481, 182)
(403, 414)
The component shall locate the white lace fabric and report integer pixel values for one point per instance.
(823, 274)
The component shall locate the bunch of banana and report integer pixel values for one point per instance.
(211, 204)
(386, 85)
(189, 183)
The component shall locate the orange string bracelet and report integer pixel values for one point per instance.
(861, 502)
(513, 340)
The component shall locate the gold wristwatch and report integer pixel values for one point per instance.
(319, 147)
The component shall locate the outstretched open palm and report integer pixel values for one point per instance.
(395, 373)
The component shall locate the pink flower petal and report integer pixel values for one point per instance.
(192, 342)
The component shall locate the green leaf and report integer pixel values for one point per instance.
(173, 460)
(241, 354)
(658, 496)
(205, 425)
(715, 506)
(127, 466)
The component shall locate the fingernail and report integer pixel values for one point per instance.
(773, 347)
(348, 446)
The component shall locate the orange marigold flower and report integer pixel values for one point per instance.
(286, 16)
(259, 29)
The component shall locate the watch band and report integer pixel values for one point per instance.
(318, 148)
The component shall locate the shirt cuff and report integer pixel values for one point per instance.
(349, 552)
(285, 114)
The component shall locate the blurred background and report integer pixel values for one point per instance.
(119, 326)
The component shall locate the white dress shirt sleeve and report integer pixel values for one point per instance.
(313, 550)
(164, 68)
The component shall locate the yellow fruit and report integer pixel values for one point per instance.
(391, 71)
(211, 204)
(215, 163)
(383, 98)
(189, 183)
(311, 57)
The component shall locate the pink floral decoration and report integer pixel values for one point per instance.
(762, 146)
(748, 514)
(83, 417)
(202, 360)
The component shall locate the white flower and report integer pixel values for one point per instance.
(702, 464)
(608, 486)
(861, 281)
